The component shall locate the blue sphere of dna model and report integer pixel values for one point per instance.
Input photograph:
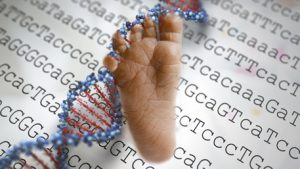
(92, 110)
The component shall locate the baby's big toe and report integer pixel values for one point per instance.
(170, 27)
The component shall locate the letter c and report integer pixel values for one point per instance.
(133, 164)
(179, 148)
(6, 107)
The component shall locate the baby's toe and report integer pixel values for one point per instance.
(149, 28)
(119, 43)
(136, 33)
(110, 63)
(170, 28)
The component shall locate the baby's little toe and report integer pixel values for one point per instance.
(110, 63)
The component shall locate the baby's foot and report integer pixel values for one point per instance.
(147, 76)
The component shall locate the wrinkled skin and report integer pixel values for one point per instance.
(147, 76)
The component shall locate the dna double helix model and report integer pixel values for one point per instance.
(95, 101)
